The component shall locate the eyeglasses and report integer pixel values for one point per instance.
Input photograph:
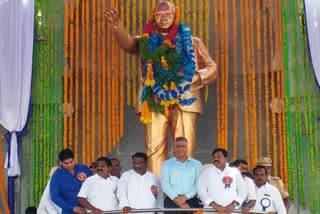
(165, 14)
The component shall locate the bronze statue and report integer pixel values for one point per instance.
(175, 66)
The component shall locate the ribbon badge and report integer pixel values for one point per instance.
(81, 176)
(154, 190)
(265, 203)
(227, 181)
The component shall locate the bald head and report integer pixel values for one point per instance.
(165, 6)
(164, 15)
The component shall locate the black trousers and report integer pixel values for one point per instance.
(193, 203)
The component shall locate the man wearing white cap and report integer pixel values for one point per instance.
(275, 181)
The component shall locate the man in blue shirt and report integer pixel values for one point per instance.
(66, 183)
(179, 177)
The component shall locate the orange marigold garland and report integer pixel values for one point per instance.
(266, 83)
(235, 82)
(3, 188)
(217, 56)
(99, 82)
(76, 105)
(65, 75)
(105, 125)
(244, 74)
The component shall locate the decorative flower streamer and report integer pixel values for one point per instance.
(128, 57)
(297, 105)
(87, 83)
(3, 188)
(283, 119)
(100, 72)
(286, 10)
(266, 82)
(83, 77)
(252, 80)
(109, 89)
(273, 113)
(77, 79)
(105, 108)
(260, 146)
(188, 12)
(244, 81)
(235, 82)
(70, 73)
(65, 75)
(134, 63)
(222, 66)
(217, 56)
(122, 79)
(226, 71)
(278, 72)
(93, 79)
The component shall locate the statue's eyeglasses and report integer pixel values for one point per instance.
(165, 14)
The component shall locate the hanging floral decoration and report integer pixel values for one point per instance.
(168, 65)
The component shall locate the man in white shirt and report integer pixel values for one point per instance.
(115, 167)
(221, 187)
(138, 188)
(98, 192)
(268, 196)
(275, 181)
(250, 201)
(46, 205)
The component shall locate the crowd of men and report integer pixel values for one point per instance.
(183, 183)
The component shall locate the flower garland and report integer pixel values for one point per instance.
(168, 67)
(3, 188)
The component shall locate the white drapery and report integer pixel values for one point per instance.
(16, 45)
(313, 25)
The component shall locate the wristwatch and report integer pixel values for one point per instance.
(235, 203)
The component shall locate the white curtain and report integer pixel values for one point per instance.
(16, 44)
(313, 25)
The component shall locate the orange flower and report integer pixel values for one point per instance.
(164, 63)
(150, 81)
(177, 15)
(199, 212)
(151, 17)
(167, 42)
(145, 113)
(166, 111)
(165, 87)
(145, 35)
(173, 86)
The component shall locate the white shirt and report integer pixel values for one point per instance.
(222, 187)
(100, 192)
(269, 200)
(46, 205)
(134, 190)
(250, 189)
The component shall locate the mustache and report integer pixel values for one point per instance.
(216, 161)
(100, 170)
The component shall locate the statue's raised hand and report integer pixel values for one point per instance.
(112, 17)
